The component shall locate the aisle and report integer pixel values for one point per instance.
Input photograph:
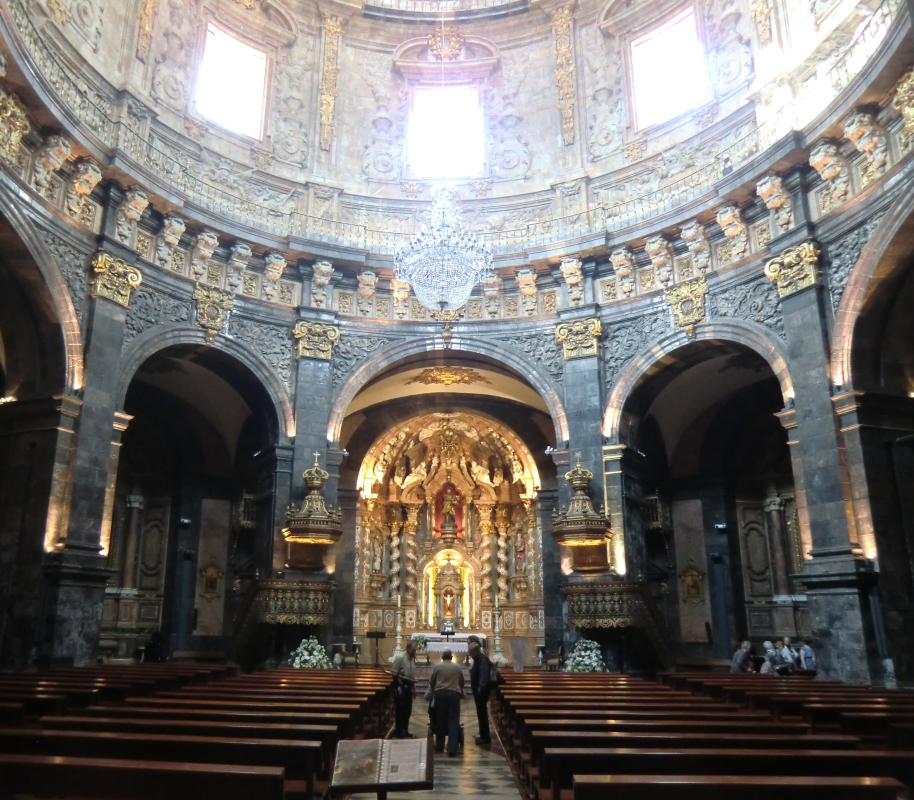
(475, 771)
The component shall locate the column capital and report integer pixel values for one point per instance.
(579, 339)
(795, 269)
(114, 279)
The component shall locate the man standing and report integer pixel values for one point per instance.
(446, 683)
(404, 670)
(481, 684)
(742, 662)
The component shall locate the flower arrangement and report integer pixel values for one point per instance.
(421, 643)
(310, 654)
(585, 658)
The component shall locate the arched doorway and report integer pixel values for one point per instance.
(711, 521)
(195, 502)
(449, 481)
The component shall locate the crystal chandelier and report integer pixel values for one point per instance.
(443, 263)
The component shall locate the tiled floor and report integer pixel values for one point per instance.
(474, 772)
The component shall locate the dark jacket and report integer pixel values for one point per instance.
(481, 674)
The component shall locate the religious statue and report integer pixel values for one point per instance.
(375, 556)
(520, 554)
(448, 508)
(448, 601)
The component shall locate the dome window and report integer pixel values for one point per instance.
(669, 74)
(231, 84)
(446, 133)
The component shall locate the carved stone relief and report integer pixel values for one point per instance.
(491, 289)
(696, 239)
(274, 263)
(509, 156)
(49, 158)
(776, 198)
(239, 255)
(86, 176)
(72, 264)
(400, 291)
(795, 269)
(333, 27)
(269, 341)
(730, 219)
(730, 53)
(625, 340)
(562, 28)
(150, 307)
(843, 255)
(172, 230)
(171, 76)
(350, 351)
(543, 349)
(322, 272)
(201, 252)
(574, 280)
(605, 102)
(756, 300)
(526, 284)
(579, 339)
(903, 103)
(660, 253)
(291, 116)
(381, 160)
(760, 11)
(826, 159)
(14, 124)
(128, 214)
(368, 281)
(871, 139)
(624, 265)
(113, 278)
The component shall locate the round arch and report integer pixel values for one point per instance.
(537, 377)
(11, 208)
(655, 357)
(883, 254)
(152, 341)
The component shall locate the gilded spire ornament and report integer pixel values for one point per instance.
(313, 523)
(579, 525)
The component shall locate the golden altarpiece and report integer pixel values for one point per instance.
(448, 531)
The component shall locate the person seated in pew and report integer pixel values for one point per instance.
(807, 655)
(770, 657)
(742, 659)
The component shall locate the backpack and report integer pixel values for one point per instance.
(495, 677)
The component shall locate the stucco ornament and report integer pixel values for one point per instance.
(696, 238)
(400, 290)
(777, 198)
(168, 239)
(624, 265)
(660, 252)
(903, 103)
(14, 124)
(730, 219)
(563, 30)
(510, 154)
(128, 214)
(204, 245)
(49, 158)
(333, 27)
(491, 289)
(87, 173)
(113, 278)
(826, 159)
(321, 273)
(605, 106)
(291, 116)
(274, 263)
(368, 281)
(795, 269)
(871, 139)
(573, 274)
(526, 285)
(760, 11)
(381, 160)
(171, 76)
(239, 255)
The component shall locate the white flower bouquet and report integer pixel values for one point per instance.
(585, 658)
(310, 654)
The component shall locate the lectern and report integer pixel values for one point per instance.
(376, 635)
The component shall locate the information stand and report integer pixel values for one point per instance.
(383, 765)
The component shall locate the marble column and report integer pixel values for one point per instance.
(135, 505)
(394, 523)
(777, 537)
(502, 523)
(410, 529)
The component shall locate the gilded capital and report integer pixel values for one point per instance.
(14, 124)
(579, 339)
(687, 299)
(315, 340)
(114, 279)
(795, 269)
(213, 306)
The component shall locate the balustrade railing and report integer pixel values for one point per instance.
(282, 219)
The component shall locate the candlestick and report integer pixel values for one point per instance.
(399, 600)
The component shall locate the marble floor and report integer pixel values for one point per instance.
(474, 772)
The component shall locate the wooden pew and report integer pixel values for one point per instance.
(299, 759)
(560, 765)
(102, 778)
(11, 713)
(874, 726)
(725, 787)
(828, 715)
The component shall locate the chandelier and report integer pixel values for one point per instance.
(443, 263)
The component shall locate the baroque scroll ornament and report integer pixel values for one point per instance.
(213, 306)
(687, 299)
(579, 339)
(114, 279)
(315, 340)
(795, 269)
(562, 19)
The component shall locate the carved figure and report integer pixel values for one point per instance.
(204, 246)
(322, 272)
(449, 508)
(86, 176)
(771, 190)
(49, 158)
(375, 555)
(660, 253)
(574, 280)
(624, 265)
(239, 256)
(400, 290)
(731, 222)
(273, 265)
(491, 286)
(526, 284)
(696, 239)
(172, 230)
(368, 280)
(128, 214)
(871, 139)
(826, 159)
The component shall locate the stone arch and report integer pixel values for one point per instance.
(152, 341)
(11, 208)
(884, 253)
(537, 377)
(657, 355)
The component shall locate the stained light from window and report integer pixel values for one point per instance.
(669, 72)
(231, 83)
(446, 134)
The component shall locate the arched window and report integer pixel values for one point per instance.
(446, 133)
(231, 84)
(669, 73)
